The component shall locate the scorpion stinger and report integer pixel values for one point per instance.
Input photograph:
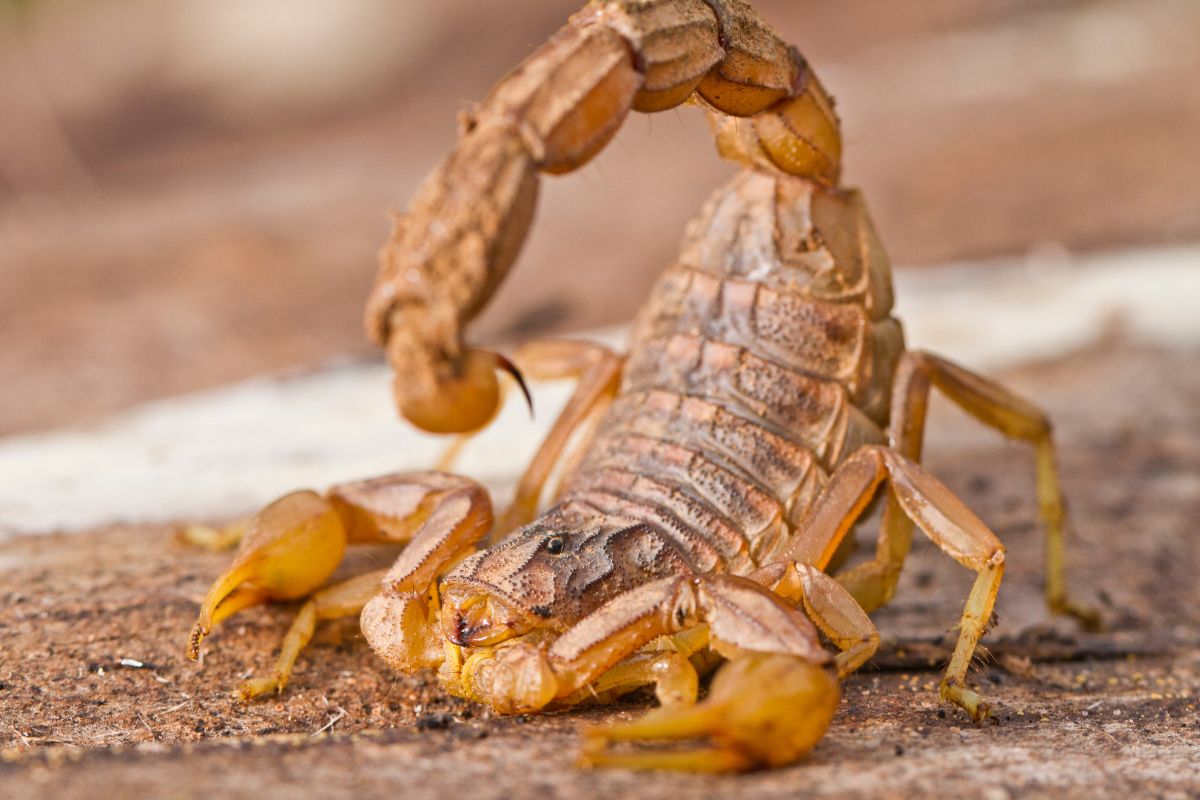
(516, 375)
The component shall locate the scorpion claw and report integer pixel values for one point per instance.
(665, 724)
(764, 709)
(696, 759)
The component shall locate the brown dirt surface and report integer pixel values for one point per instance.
(1079, 715)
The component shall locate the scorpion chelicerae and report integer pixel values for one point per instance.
(711, 475)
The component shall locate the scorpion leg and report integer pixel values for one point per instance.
(945, 519)
(769, 705)
(344, 599)
(992, 404)
(215, 540)
(829, 605)
(671, 664)
(675, 679)
(598, 370)
(293, 545)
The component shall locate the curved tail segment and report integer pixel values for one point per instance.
(552, 114)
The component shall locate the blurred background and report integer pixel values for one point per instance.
(193, 192)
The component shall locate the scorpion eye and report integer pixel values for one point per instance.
(555, 545)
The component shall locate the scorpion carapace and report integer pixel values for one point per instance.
(712, 474)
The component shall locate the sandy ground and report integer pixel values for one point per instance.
(94, 691)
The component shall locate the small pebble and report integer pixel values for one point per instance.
(435, 722)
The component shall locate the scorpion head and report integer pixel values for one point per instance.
(549, 575)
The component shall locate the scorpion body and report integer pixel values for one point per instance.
(759, 364)
(711, 475)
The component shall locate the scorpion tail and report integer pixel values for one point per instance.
(763, 710)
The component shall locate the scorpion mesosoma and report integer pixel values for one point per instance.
(711, 474)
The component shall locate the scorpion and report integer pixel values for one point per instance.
(709, 476)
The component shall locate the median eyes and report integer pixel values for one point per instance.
(555, 545)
